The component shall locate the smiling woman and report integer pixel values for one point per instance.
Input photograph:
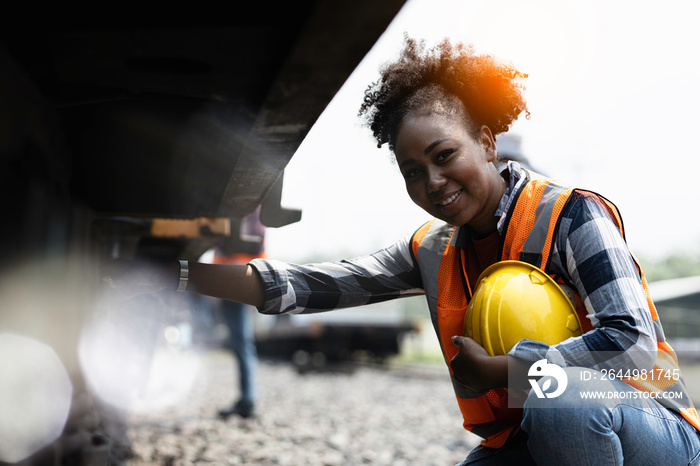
(438, 110)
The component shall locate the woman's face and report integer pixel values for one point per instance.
(447, 171)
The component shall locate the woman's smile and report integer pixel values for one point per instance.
(450, 199)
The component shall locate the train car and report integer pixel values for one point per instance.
(329, 341)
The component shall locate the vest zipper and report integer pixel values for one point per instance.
(463, 273)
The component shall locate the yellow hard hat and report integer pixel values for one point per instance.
(513, 301)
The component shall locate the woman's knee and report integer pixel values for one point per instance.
(573, 406)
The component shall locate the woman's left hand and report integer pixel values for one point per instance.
(475, 369)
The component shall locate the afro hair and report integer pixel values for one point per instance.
(490, 92)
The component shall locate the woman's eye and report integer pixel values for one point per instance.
(442, 155)
(411, 173)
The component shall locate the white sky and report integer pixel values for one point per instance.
(613, 94)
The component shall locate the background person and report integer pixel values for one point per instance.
(240, 249)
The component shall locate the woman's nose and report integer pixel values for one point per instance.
(435, 180)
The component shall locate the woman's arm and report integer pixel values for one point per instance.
(276, 287)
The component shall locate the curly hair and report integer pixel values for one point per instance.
(490, 92)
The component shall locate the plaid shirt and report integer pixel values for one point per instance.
(589, 253)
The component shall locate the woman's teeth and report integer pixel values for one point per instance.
(450, 199)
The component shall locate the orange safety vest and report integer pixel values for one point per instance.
(530, 232)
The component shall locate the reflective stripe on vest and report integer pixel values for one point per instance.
(537, 240)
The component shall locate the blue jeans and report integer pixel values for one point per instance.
(570, 429)
(239, 318)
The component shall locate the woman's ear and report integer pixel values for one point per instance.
(488, 142)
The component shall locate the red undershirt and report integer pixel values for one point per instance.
(480, 253)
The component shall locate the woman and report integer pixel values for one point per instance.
(439, 111)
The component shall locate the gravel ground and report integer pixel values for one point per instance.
(370, 415)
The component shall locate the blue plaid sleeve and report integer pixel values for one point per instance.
(591, 254)
(387, 274)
